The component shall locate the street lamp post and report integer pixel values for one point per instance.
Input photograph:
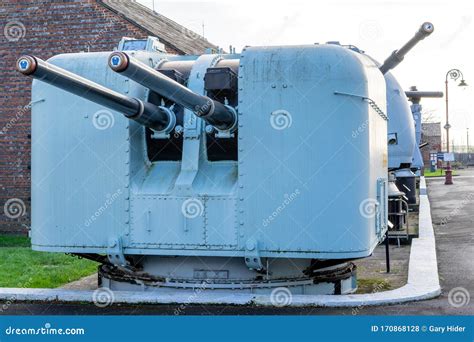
(467, 140)
(453, 74)
(467, 147)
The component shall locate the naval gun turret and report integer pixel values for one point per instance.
(229, 211)
(403, 147)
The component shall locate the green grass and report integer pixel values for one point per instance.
(372, 285)
(437, 173)
(22, 267)
(14, 241)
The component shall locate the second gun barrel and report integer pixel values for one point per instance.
(213, 112)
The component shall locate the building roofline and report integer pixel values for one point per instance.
(191, 42)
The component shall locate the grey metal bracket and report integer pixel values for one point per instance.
(165, 133)
(228, 133)
(252, 256)
(371, 102)
(160, 135)
(29, 105)
(224, 134)
(193, 149)
(115, 254)
(219, 133)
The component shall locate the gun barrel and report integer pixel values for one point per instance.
(145, 113)
(213, 112)
(397, 56)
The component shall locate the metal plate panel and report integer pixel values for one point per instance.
(167, 221)
(309, 158)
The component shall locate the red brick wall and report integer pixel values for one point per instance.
(43, 28)
(434, 145)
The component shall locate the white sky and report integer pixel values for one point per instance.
(378, 27)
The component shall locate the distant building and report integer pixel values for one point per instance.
(49, 27)
(431, 134)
